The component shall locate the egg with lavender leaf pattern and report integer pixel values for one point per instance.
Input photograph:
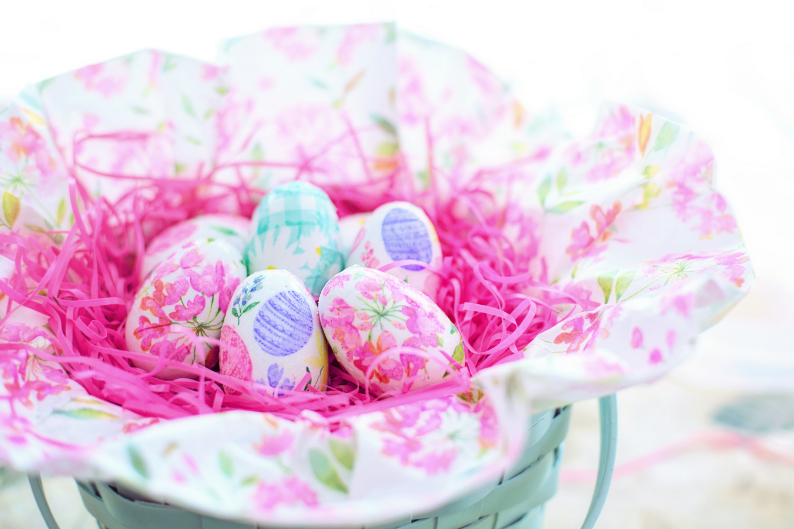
(272, 335)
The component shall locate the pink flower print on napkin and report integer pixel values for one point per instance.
(23, 138)
(435, 462)
(733, 266)
(95, 77)
(290, 491)
(273, 445)
(210, 281)
(636, 338)
(296, 44)
(192, 309)
(577, 334)
(25, 142)
(583, 244)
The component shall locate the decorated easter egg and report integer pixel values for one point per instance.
(349, 229)
(295, 228)
(272, 334)
(230, 228)
(366, 313)
(399, 231)
(184, 298)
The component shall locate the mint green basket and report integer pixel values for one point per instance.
(517, 502)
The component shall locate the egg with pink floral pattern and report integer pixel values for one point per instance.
(230, 228)
(183, 300)
(400, 231)
(379, 325)
(272, 335)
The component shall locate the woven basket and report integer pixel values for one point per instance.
(517, 502)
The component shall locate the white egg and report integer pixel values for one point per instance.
(349, 228)
(400, 231)
(272, 334)
(230, 228)
(184, 297)
(295, 228)
(365, 313)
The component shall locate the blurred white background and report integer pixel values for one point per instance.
(725, 69)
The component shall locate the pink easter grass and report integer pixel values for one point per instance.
(86, 286)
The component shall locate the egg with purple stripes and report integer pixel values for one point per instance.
(272, 335)
(400, 231)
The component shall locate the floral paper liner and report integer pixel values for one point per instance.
(625, 220)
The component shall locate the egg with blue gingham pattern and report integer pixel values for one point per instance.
(295, 227)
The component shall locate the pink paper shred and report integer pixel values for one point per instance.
(86, 286)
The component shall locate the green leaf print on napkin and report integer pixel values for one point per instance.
(623, 282)
(85, 414)
(562, 179)
(62, 210)
(565, 207)
(226, 463)
(11, 208)
(324, 472)
(650, 171)
(343, 452)
(543, 190)
(138, 463)
(385, 124)
(667, 135)
(605, 282)
(188, 106)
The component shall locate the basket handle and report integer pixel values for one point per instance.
(608, 410)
